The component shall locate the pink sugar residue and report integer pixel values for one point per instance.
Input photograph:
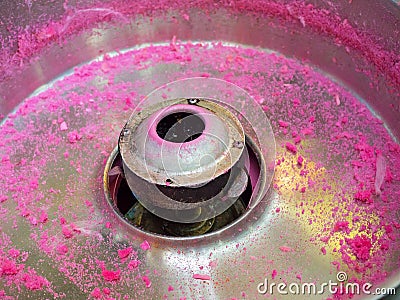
(285, 249)
(145, 245)
(33, 281)
(110, 275)
(300, 160)
(133, 264)
(63, 126)
(283, 124)
(364, 196)
(360, 246)
(146, 281)
(8, 267)
(96, 293)
(290, 147)
(106, 291)
(124, 253)
(14, 253)
(201, 277)
(342, 226)
(67, 232)
(74, 137)
(212, 264)
(62, 249)
(43, 217)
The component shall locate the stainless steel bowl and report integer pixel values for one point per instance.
(42, 41)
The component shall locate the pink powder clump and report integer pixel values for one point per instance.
(14, 252)
(201, 277)
(33, 281)
(62, 249)
(285, 249)
(124, 253)
(110, 275)
(283, 124)
(74, 137)
(212, 264)
(363, 196)
(43, 217)
(297, 139)
(96, 293)
(8, 267)
(290, 147)
(63, 126)
(147, 281)
(341, 226)
(133, 264)
(325, 239)
(300, 160)
(67, 232)
(145, 245)
(361, 246)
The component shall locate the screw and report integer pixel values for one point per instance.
(126, 132)
(238, 144)
(193, 101)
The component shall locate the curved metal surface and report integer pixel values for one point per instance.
(156, 159)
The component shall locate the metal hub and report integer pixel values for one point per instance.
(183, 167)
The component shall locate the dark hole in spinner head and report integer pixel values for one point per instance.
(195, 195)
(180, 127)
